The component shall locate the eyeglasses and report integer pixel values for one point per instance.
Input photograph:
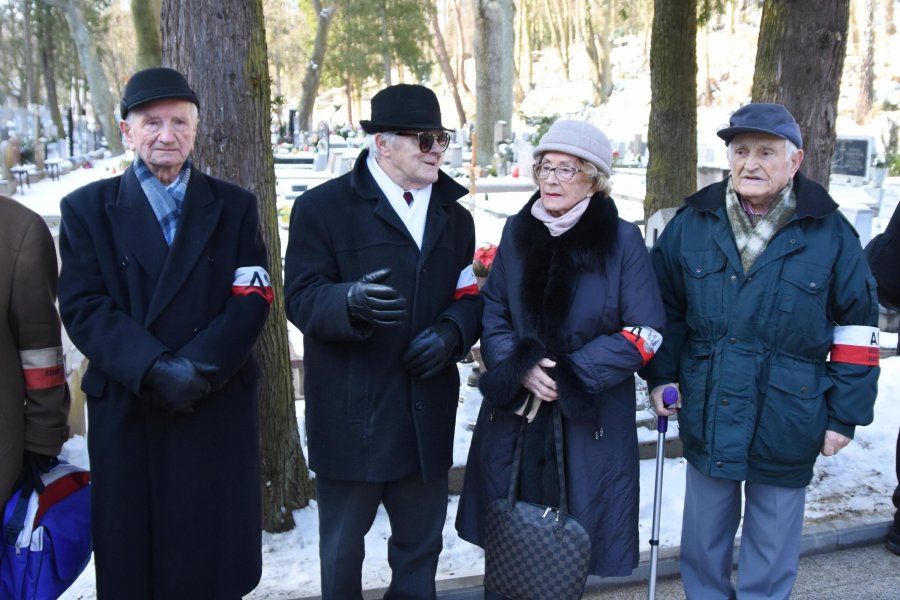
(426, 139)
(562, 173)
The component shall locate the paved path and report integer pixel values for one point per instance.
(862, 573)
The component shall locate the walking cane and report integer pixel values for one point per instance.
(670, 398)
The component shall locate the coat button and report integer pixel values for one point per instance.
(812, 284)
(124, 261)
(698, 270)
(719, 464)
(725, 402)
(733, 276)
(733, 340)
(803, 390)
(210, 259)
(750, 278)
(419, 405)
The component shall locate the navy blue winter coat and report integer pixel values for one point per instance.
(749, 349)
(367, 418)
(176, 500)
(567, 298)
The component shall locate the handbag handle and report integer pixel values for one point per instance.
(560, 464)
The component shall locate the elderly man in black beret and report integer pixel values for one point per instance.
(772, 338)
(378, 277)
(164, 289)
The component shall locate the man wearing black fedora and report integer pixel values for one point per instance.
(378, 277)
(164, 289)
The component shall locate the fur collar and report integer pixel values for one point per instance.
(552, 265)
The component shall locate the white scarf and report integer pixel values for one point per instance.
(561, 224)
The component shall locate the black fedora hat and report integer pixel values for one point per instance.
(155, 83)
(404, 106)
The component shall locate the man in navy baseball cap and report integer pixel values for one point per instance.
(772, 351)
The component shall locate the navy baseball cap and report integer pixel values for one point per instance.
(762, 117)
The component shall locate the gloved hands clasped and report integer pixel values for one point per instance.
(175, 383)
(432, 349)
(371, 301)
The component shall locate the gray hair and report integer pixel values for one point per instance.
(370, 144)
(599, 181)
(139, 110)
(789, 147)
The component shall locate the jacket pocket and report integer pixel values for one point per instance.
(802, 298)
(695, 378)
(704, 282)
(793, 417)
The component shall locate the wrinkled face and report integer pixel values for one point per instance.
(558, 196)
(406, 164)
(760, 167)
(162, 133)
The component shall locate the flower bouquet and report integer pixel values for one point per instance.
(481, 264)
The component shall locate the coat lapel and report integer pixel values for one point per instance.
(198, 221)
(140, 233)
(434, 225)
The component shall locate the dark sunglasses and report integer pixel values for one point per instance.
(426, 139)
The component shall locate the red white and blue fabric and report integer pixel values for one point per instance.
(252, 280)
(47, 538)
(43, 368)
(855, 344)
(466, 283)
(646, 339)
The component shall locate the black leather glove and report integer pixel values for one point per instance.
(175, 384)
(33, 466)
(370, 301)
(432, 349)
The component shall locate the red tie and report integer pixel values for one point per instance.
(408, 197)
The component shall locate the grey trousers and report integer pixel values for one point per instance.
(770, 538)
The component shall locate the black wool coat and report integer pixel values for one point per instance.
(176, 500)
(367, 419)
(567, 298)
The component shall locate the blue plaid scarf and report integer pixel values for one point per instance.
(166, 201)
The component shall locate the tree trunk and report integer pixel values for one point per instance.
(48, 67)
(145, 15)
(440, 50)
(493, 40)
(385, 41)
(460, 45)
(104, 105)
(867, 69)
(889, 27)
(809, 88)
(672, 132)
(233, 143)
(28, 44)
(310, 86)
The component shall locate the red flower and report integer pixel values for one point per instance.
(484, 258)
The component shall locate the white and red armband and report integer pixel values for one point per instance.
(466, 283)
(252, 280)
(855, 344)
(646, 339)
(43, 368)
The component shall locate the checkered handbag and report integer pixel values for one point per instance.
(534, 552)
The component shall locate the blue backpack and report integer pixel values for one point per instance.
(46, 537)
